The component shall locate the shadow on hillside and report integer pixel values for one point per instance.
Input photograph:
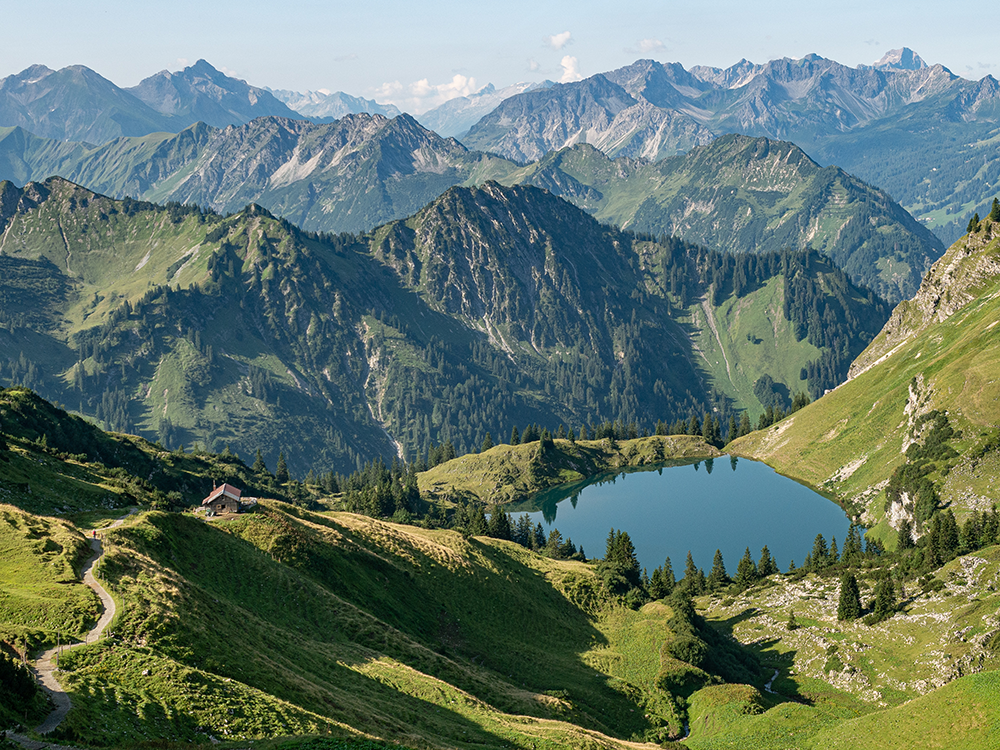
(780, 688)
(469, 613)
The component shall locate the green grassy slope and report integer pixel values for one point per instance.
(938, 351)
(904, 682)
(509, 473)
(282, 622)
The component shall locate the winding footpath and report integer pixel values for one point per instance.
(45, 666)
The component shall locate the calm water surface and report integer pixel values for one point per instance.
(725, 503)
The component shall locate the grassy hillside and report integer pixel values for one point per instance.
(923, 678)
(284, 622)
(509, 473)
(937, 353)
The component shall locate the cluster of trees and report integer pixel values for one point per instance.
(945, 540)
(833, 314)
(911, 480)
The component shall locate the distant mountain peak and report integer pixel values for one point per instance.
(903, 58)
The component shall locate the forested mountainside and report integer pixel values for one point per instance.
(741, 194)
(736, 194)
(489, 308)
(914, 429)
(919, 133)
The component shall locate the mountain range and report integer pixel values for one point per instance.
(737, 194)
(77, 104)
(885, 123)
(909, 128)
(456, 322)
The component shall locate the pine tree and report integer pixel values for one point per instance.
(487, 443)
(539, 536)
(834, 555)
(718, 577)
(259, 467)
(499, 526)
(885, 600)
(745, 427)
(281, 471)
(819, 554)
(746, 571)
(767, 565)
(849, 605)
(853, 552)
(515, 436)
(995, 211)
(693, 582)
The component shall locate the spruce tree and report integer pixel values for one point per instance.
(718, 577)
(767, 565)
(746, 571)
(849, 605)
(745, 427)
(499, 526)
(515, 436)
(818, 556)
(281, 471)
(995, 211)
(668, 576)
(487, 443)
(259, 467)
(885, 600)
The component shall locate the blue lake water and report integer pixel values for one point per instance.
(725, 503)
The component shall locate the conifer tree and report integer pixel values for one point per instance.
(718, 577)
(849, 605)
(767, 565)
(819, 554)
(487, 443)
(499, 526)
(515, 436)
(834, 555)
(995, 211)
(259, 467)
(853, 552)
(281, 471)
(539, 536)
(885, 600)
(746, 571)
(745, 427)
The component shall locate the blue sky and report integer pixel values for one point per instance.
(418, 54)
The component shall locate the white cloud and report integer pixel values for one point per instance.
(571, 70)
(648, 46)
(558, 41)
(183, 62)
(533, 64)
(423, 95)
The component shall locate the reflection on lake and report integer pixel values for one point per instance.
(725, 503)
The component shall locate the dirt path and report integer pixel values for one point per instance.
(45, 666)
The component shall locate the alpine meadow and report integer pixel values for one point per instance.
(357, 420)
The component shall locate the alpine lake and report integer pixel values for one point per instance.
(725, 503)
